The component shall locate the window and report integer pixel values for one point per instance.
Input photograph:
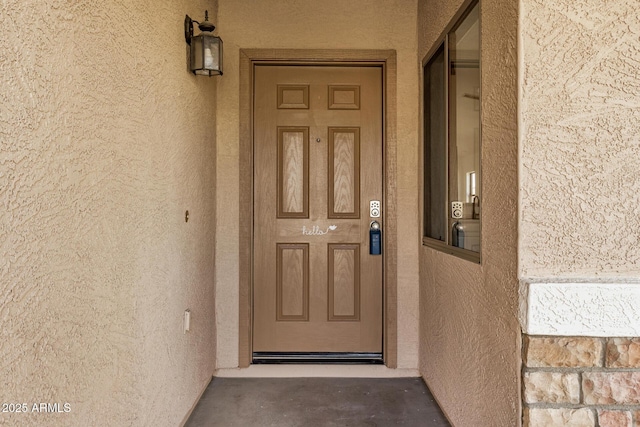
(452, 173)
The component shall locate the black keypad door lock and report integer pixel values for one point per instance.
(375, 238)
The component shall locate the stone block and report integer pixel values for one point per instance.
(623, 353)
(614, 419)
(551, 387)
(636, 418)
(562, 417)
(611, 388)
(563, 352)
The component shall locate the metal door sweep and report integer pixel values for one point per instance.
(319, 358)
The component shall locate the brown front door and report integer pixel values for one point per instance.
(317, 166)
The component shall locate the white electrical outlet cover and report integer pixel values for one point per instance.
(187, 320)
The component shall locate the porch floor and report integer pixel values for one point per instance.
(285, 402)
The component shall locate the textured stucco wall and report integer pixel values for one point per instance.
(310, 24)
(105, 141)
(580, 139)
(469, 332)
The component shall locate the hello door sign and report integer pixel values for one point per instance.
(316, 231)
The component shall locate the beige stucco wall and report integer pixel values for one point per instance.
(580, 139)
(310, 24)
(105, 141)
(469, 334)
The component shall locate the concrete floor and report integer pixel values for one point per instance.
(289, 402)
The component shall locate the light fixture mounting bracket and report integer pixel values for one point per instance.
(188, 28)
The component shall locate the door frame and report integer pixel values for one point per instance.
(387, 60)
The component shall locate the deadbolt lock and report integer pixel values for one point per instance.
(375, 208)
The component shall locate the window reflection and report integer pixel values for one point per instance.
(464, 128)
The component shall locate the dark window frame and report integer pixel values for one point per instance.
(441, 47)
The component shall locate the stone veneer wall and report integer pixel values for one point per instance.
(581, 382)
(579, 152)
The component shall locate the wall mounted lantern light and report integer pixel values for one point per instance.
(206, 49)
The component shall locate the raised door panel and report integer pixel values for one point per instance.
(344, 173)
(293, 97)
(293, 172)
(344, 282)
(292, 282)
(344, 97)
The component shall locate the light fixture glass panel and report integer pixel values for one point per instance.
(210, 53)
(196, 54)
(213, 54)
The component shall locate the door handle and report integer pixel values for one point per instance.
(375, 238)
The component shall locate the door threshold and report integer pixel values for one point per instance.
(316, 371)
(279, 358)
